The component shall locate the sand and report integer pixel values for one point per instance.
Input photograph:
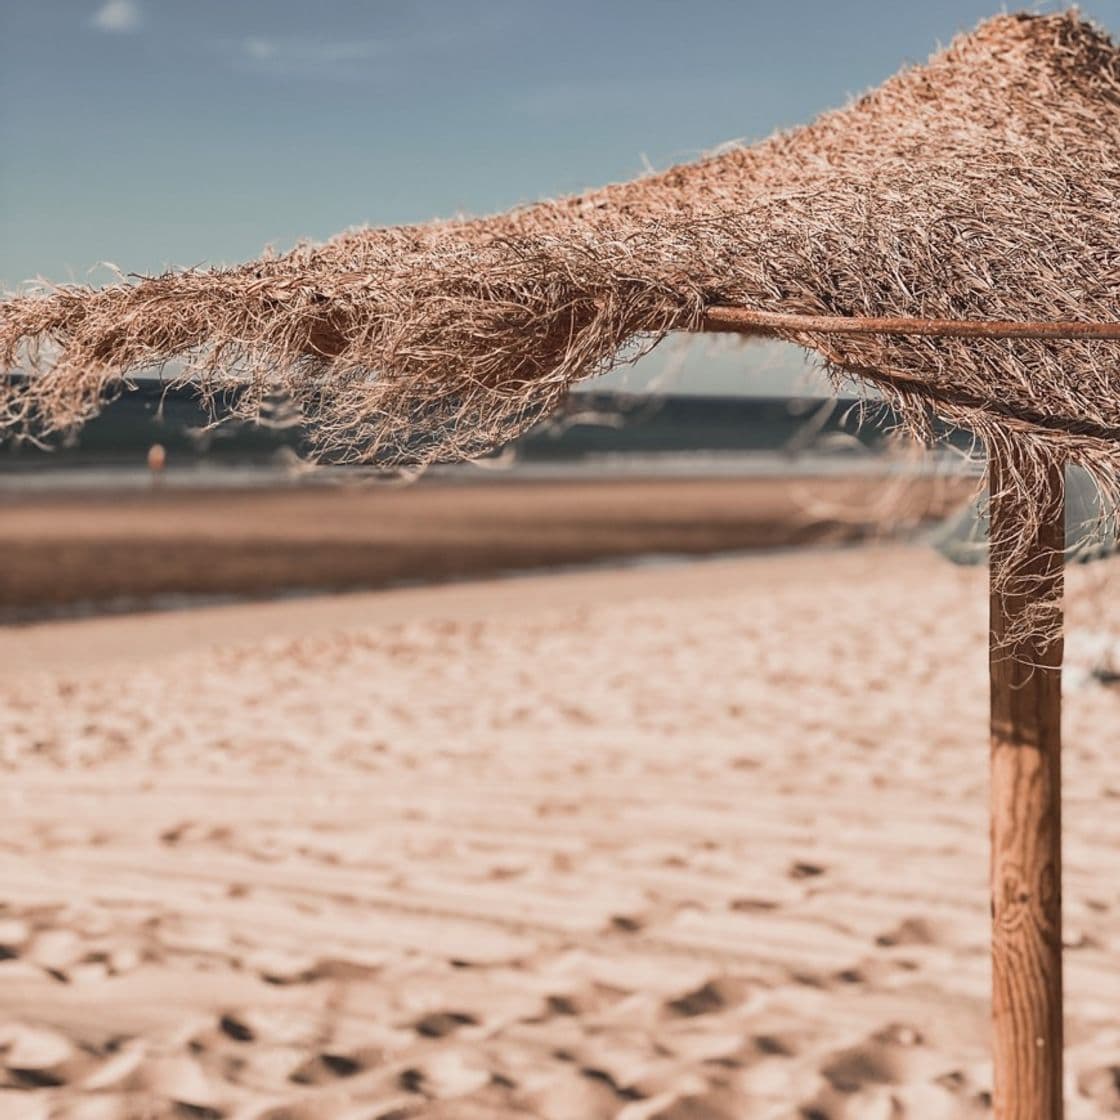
(691, 842)
(124, 550)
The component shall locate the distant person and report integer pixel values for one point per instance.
(157, 461)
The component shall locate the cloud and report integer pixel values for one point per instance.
(344, 59)
(259, 49)
(416, 39)
(118, 17)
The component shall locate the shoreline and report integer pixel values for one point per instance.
(68, 645)
(69, 555)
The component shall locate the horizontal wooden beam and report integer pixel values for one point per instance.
(742, 320)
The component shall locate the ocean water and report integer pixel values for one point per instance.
(594, 434)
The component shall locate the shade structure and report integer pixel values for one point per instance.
(982, 188)
(982, 185)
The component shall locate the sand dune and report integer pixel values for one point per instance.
(691, 843)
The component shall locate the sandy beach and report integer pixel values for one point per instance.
(69, 551)
(559, 562)
(692, 842)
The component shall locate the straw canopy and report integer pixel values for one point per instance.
(983, 185)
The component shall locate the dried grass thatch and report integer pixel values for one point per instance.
(983, 185)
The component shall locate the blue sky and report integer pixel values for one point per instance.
(169, 132)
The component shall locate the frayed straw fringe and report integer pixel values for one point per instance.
(983, 185)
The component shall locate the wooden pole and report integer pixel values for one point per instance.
(1026, 856)
(748, 320)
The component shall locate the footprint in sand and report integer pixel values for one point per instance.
(870, 970)
(627, 923)
(748, 905)
(801, 869)
(270, 1026)
(874, 1103)
(338, 1060)
(15, 933)
(281, 968)
(776, 1045)
(892, 1074)
(184, 1083)
(235, 1028)
(684, 1106)
(326, 1067)
(55, 951)
(446, 1074)
(892, 1056)
(100, 1107)
(621, 1092)
(38, 1058)
(569, 1095)
(710, 998)
(915, 931)
(586, 999)
(440, 1024)
(1102, 1086)
(119, 1068)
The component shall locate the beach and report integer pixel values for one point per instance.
(476, 644)
(693, 841)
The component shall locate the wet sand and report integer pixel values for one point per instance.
(137, 549)
(693, 842)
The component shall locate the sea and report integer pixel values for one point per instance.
(592, 434)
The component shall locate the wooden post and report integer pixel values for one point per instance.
(1026, 856)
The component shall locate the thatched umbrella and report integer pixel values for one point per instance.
(952, 239)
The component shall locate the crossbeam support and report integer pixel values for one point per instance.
(745, 320)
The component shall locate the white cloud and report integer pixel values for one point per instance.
(309, 58)
(118, 16)
(260, 48)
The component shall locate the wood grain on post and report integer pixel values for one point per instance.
(1026, 856)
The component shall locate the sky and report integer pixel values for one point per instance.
(158, 133)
